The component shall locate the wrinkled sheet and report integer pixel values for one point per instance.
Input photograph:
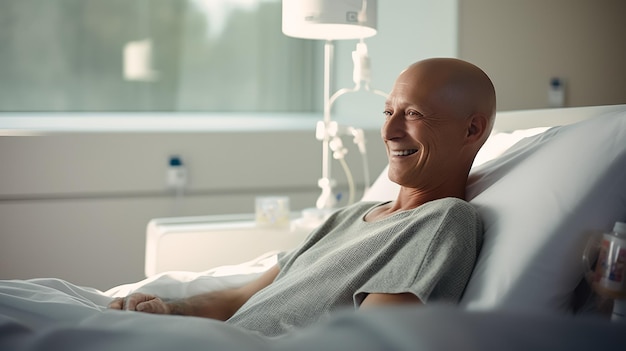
(51, 314)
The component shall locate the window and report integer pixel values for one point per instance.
(153, 55)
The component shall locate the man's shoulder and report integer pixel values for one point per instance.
(456, 212)
(452, 203)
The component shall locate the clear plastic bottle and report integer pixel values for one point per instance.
(617, 275)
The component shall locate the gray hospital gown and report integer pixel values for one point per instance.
(429, 251)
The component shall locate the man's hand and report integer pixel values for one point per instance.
(141, 303)
(220, 304)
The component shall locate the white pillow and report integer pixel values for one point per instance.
(498, 143)
(539, 201)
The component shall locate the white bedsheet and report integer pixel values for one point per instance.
(51, 314)
(69, 324)
(175, 284)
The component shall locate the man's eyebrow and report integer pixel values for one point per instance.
(391, 100)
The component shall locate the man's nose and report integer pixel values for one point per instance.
(393, 127)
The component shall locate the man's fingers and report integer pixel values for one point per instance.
(153, 306)
(141, 303)
(132, 300)
(117, 303)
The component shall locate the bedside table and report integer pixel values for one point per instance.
(203, 242)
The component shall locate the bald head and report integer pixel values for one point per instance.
(459, 85)
(437, 117)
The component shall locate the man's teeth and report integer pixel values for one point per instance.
(403, 152)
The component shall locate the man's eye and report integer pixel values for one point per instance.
(413, 114)
(386, 113)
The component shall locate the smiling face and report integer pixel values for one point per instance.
(430, 117)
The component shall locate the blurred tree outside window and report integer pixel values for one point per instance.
(152, 55)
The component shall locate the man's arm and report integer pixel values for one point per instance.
(219, 305)
(389, 299)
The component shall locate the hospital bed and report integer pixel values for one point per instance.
(544, 182)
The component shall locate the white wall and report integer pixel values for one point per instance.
(522, 44)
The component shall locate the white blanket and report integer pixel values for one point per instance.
(51, 314)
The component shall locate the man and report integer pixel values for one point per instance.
(419, 248)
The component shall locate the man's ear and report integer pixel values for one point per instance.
(476, 127)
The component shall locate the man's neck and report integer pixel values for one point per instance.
(410, 198)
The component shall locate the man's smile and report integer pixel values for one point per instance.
(403, 152)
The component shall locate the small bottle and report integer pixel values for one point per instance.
(556, 93)
(609, 277)
(176, 174)
(618, 270)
